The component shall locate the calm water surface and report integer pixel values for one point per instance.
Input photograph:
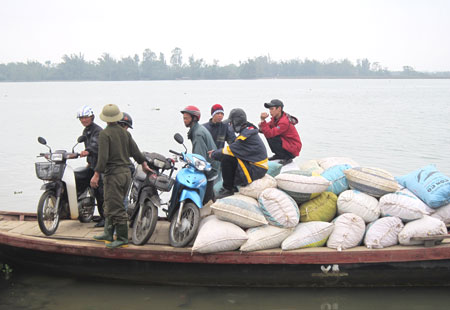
(397, 125)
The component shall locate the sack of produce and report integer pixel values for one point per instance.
(240, 210)
(400, 204)
(265, 237)
(274, 168)
(425, 227)
(321, 208)
(256, 187)
(329, 162)
(443, 214)
(307, 235)
(278, 208)
(310, 166)
(383, 232)
(215, 235)
(373, 181)
(301, 187)
(429, 185)
(337, 178)
(348, 232)
(359, 203)
(292, 166)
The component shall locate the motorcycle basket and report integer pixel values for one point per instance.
(49, 170)
(157, 161)
(162, 182)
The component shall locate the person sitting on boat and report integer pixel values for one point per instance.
(244, 160)
(220, 131)
(280, 132)
(202, 142)
(115, 147)
(91, 131)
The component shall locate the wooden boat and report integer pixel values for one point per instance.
(72, 251)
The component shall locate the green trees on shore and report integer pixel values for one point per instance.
(75, 67)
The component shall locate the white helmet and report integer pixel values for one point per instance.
(85, 111)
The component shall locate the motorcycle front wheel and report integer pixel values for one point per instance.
(145, 223)
(48, 213)
(181, 235)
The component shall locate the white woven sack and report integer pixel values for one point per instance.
(311, 166)
(256, 187)
(373, 181)
(383, 232)
(240, 210)
(329, 162)
(359, 203)
(404, 206)
(302, 184)
(306, 235)
(265, 237)
(215, 235)
(348, 232)
(289, 167)
(422, 205)
(279, 208)
(424, 227)
(443, 214)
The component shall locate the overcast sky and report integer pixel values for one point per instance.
(394, 33)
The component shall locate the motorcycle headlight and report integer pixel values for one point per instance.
(201, 165)
(57, 157)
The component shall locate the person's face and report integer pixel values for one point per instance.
(275, 112)
(217, 118)
(187, 119)
(86, 120)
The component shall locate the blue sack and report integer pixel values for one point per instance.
(337, 178)
(429, 185)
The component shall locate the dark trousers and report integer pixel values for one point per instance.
(98, 192)
(116, 188)
(209, 193)
(229, 166)
(83, 179)
(276, 147)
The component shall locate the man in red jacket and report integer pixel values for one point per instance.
(280, 132)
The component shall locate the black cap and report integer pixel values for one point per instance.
(274, 103)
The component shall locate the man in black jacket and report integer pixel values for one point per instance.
(91, 131)
(220, 132)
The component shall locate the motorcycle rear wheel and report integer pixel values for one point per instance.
(48, 213)
(190, 221)
(144, 224)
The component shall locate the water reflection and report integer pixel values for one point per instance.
(39, 291)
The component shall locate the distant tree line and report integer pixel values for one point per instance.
(155, 67)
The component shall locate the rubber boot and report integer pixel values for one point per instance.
(108, 231)
(122, 237)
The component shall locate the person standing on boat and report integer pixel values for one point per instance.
(202, 143)
(91, 131)
(280, 132)
(220, 131)
(244, 160)
(127, 122)
(116, 146)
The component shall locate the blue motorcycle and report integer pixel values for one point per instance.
(187, 196)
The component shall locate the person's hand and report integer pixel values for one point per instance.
(264, 115)
(94, 180)
(146, 168)
(209, 153)
(84, 153)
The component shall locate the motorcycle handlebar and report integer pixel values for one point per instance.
(174, 152)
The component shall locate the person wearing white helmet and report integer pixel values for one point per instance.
(91, 131)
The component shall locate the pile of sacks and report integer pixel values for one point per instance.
(331, 202)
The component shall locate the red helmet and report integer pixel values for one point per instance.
(193, 111)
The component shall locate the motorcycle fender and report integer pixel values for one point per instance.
(47, 186)
(191, 195)
(69, 179)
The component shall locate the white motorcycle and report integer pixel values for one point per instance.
(67, 193)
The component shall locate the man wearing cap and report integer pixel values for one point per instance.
(220, 132)
(115, 147)
(280, 132)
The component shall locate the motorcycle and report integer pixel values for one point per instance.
(187, 196)
(144, 197)
(65, 194)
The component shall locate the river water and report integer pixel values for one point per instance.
(396, 125)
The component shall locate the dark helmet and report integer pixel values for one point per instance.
(126, 120)
(237, 118)
(193, 111)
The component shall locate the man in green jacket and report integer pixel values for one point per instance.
(202, 143)
(116, 146)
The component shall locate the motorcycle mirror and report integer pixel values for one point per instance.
(81, 139)
(42, 141)
(178, 138)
